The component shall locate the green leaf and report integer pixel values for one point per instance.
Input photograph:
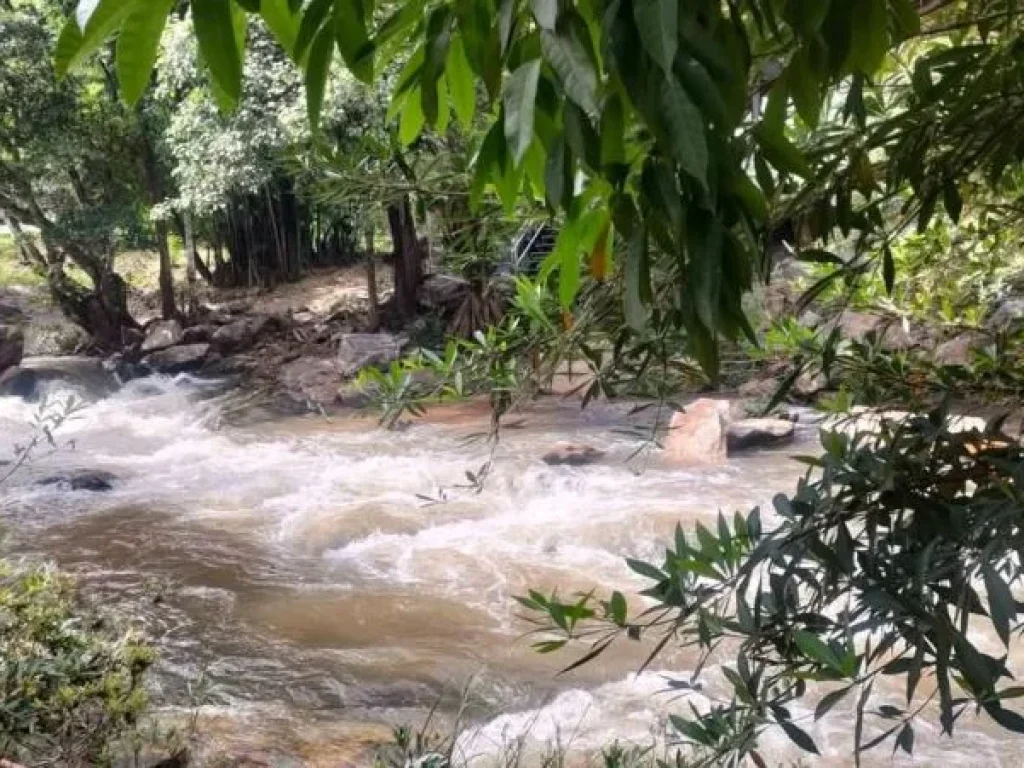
(281, 22)
(781, 152)
(617, 607)
(1001, 606)
(439, 30)
(818, 256)
(97, 20)
(802, 79)
(686, 131)
(829, 701)
(888, 269)
(317, 69)
(354, 42)
(520, 100)
(905, 740)
(137, 47)
(869, 35)
(219, 45)
(569, 272)
(312, 20)
(412, 121)
(569, 59)
(646, 569)
(657, 21)
(908, 18)
(613, 145)
(636, 274)
(68, 46)
(461, 86)
(812, 647)
(799, 737)
(952, 200)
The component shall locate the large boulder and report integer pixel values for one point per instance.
(359, 350)
(87, 375)
(759, 433)
(891, 333)
(960, 349)
(312, 380)
(12, 346)
(162, 334)
(443, 292)
(571, 454)
(1008, 315)
(697, 435)
(82, 480)
(239, 335)
(180, 359)
(199, 334)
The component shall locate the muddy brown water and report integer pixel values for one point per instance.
(305, 596)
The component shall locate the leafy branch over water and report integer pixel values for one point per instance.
(893, 553)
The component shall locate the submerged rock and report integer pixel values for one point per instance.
(162, 334)
(571, 454)
(697, 435)
(758, 433)
(94, 480)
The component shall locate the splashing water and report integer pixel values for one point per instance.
(294, 566)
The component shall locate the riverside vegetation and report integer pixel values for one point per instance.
(821, 198)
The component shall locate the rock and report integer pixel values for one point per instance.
(312, 380)
(303, 317)
(809, 384)
(892, 334)
(697, 435)
(239, 335)
(758, 433)
(19, 382)
(1008, 316)
(960, 349)
(186, 357)
(443, 292)
(12, 346)
(162, 334)
(82, 480)
(199, 334)
(571, 454)
(758, 389)
(88, 375)
(359, 350)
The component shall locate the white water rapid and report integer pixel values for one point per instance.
(297, 583)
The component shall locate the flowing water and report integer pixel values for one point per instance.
(302, 587)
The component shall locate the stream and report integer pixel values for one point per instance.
(310, 582)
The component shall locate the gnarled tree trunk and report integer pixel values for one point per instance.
(409, 257)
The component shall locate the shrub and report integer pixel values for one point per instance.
(70, 688)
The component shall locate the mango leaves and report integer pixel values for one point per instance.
(640, 109)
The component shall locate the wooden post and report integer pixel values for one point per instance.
(371, 280)
(190, 266)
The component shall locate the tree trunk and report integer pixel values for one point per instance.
(371, 282)
(408, 259)
(190, 267)
(167, 304)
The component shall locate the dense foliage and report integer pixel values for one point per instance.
(70, 692)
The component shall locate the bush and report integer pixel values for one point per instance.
(70, 688)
